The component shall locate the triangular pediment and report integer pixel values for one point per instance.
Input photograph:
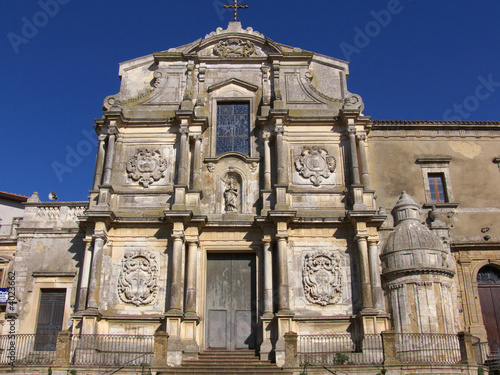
(233, 81)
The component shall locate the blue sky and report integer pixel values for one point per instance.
(410, 59)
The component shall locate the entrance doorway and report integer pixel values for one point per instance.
(231, 301)
(488, 282)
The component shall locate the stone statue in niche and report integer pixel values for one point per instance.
(231, 195)
(138, 282)
(322, 278)
(146, 166)
(315, 164)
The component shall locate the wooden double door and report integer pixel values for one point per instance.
(231, 301)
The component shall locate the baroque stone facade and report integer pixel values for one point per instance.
(239, 169)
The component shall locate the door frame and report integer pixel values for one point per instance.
(256, 279)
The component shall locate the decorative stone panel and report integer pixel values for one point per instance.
(146, 166)
(322, 278)
(315, 164)
(138, 282)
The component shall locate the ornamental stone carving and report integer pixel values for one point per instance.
(322, 278)
(146, 166)
(138, 283)
(234, 48)
(231, 195)
(315, 164)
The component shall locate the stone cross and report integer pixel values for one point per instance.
(236, 6)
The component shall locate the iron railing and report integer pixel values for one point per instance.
(28, 349)
(112, 350)
(487, 354)
(434, 348)
(339, 349)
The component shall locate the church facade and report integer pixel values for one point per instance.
(240, 193)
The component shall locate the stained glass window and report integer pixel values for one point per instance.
(233, 127)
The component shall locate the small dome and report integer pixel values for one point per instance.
(412, 247)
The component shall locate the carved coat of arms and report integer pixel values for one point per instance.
(138, 283)
(314, 164)
(146, 166)
(321, 277)
(234, 48)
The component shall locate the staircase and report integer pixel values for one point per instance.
(226, 362)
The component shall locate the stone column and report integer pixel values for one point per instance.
(95, 272)
(197, 162)
(378, 295)
(99, 163)
(389, 345)
(267, 161)
(160, 350)
(87, 261)
(284, 299)
(291, 352)
(366, 289)
(192, 272)
(176, 282)
(280, 156)
(466, 349)
(354, 155)
(365, 175)
(108, 162)
(268, 278)
(63, 350)
(183, 156)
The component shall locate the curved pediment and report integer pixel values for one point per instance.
(233, 42)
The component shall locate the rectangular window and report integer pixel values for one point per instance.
(437, 187)
(233, 127)
(50, 319)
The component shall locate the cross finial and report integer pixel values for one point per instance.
(236, 6)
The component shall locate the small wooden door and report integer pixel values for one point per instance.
(231, 301)
(488, 280)
(50, 319)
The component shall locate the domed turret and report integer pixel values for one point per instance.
(417, 274)
(413, 247)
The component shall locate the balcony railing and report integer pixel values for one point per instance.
(28, 349)
(339, 349)
(112, 350)
(435, 348)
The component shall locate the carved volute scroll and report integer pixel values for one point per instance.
(138, 283)
(314, 164)
(146, 166)
(322, 278)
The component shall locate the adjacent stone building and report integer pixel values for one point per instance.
(240, 193)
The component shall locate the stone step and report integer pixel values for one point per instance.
(226, 362)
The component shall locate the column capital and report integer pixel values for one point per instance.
(373, 241)
(361, 236)
(102, 137)
(183, 129)
(112, 130)
(100, 236)
(177, 235)
(197, 137)
(361, 137)
(351, 129)
(193, 241)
